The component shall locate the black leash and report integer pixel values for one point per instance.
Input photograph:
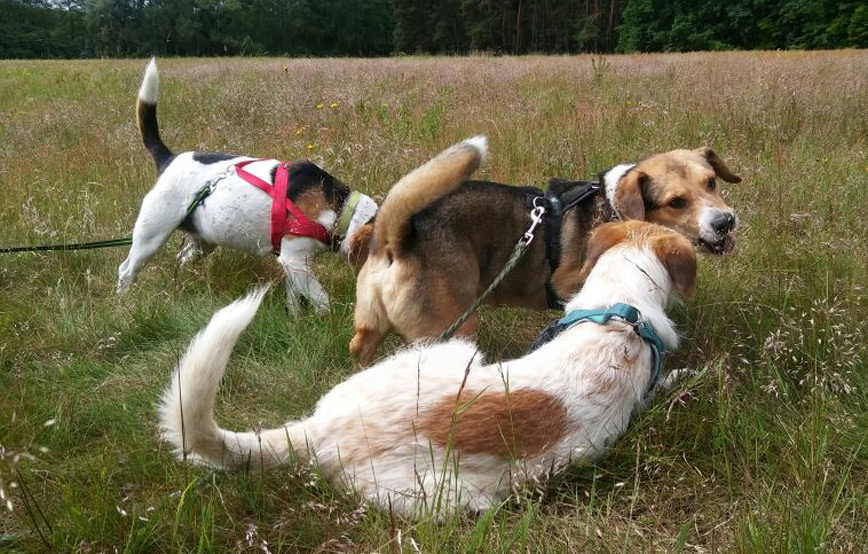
(126, 241)
(200, 197)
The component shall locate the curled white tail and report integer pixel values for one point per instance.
(149, 90)
(422, 186)
(186, 409)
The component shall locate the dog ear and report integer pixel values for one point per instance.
(717, 165)
(605, 237)
(628, 196)
(360, 244)
(678, 257)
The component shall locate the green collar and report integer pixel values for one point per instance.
(628, 314)
(343, 224)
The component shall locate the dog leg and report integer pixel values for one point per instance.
(157, 220)
(664, 385)
(296, 255)
(673, 378)
(370, 322)
(194, 248)
(364, 345)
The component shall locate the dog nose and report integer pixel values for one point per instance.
(723, 223)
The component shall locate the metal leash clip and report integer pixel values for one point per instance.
(536, 216)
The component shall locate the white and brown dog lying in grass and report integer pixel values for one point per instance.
(434, 427)
(236, 214)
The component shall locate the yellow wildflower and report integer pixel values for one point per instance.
(320, 106)
(309, 146)
(334, 105)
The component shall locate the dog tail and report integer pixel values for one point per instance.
(146, 117)
(425, 184)
(186, 409)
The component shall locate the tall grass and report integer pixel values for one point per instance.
(762, 450)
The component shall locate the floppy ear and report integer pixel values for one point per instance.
(605, 237)
(679, 259)
(628, 196)
(360, 245)
(717, 165)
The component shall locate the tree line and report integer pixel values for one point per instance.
(123, 28)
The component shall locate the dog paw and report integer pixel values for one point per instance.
(320, 305)
(293, 303)
(674, 377)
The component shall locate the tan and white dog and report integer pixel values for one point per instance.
(435, 428)
(235, 214)
(441, 239)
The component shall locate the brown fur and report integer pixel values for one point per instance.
(517, 424)
(312, 203)
(647, 191)
(679, 259)
(407, 198)
(359, 244)
(453, 246)
(675, 251)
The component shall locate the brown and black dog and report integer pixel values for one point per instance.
(440, 240)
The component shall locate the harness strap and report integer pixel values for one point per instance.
(343, 224)
(299, 225)
(623, 312)
(557, 205)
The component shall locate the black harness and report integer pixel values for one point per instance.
(573, 193)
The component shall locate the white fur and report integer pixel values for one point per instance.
(611, 180)
(479, 142)
(706, 231)
(365, 211)
(236, 214)
(366, 431)
(149, 91)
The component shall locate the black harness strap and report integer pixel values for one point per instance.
(557, 205)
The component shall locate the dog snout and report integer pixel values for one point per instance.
(723, 223)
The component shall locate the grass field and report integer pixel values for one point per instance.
(764, 450)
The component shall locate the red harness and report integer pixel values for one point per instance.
(297, 223)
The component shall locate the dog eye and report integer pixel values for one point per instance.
(712, 184)
(677, 203)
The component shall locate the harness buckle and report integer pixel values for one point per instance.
(536, 216)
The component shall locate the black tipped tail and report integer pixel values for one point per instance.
(146, 118)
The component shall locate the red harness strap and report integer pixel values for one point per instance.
(298, 224)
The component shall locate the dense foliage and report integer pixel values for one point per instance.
(100, 28)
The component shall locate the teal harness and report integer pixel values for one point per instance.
(619, 312)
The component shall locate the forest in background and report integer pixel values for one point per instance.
(136, 28)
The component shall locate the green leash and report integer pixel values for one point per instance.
(200, 197)
(517, 252)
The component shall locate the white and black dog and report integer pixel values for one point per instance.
(235, 213)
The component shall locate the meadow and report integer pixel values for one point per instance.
(763, 449)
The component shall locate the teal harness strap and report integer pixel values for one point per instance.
(630, 315)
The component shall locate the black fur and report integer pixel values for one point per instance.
(151, 136)
(208, 158)
(305, 175)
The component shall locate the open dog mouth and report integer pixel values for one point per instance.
(721, 246)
